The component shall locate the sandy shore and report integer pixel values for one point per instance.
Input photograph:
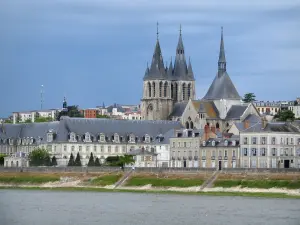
(78, 184)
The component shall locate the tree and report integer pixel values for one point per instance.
(71, 111)
(39, 157)
(112, 160)
(71, 160)
(91, 160)
(54, 162)
(249, 97)
(2, 159)
(42, 119)
(97, 162)
(27, 121)
(125, 160)
(8, 121)
(285, 115)
(77, 160)
(102, 116)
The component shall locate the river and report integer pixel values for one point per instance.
(25, 207)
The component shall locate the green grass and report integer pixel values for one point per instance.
(163, 182)
(106, 180)
(89, 189)
(265, 184)
(35, 179)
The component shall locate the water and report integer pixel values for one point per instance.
(23, 207)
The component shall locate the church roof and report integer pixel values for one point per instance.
(178, 109)
(235, 112)
(207, 107)
(222, 86)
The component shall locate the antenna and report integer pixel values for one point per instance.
(42, 96)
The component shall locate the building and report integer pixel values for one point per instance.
(267, 108)
(269, 145)
(103, 137)
(22, 117)
(90, 113)
(220, 107)
(295, 109)
(144, 158)
(165, 86)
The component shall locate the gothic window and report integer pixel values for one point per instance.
(172, 90)
(165, 89)
(189, 91)
(176, 92)
(183, 92)
(191, 125)
(154, 89)
(187, 125)
(149, 90)
(217, 125)
(160, 89)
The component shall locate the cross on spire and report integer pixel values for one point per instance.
(180, 30)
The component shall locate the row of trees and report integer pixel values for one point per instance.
(2, 159)
(41, 157)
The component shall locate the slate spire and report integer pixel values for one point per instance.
(222, 59)
(190, 70)
(180, 66)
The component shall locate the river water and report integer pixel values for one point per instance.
(24, 207)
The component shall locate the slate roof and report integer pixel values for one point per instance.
(141, 152)
(207, 107)
(80, 126)
(220, 142)
(270, 127)
(235, 112)
(178, 109)
(119, 108)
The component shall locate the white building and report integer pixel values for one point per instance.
(21, 117)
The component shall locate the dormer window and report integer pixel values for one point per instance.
(233, 143)
(213, 143)
(49, 137)
(73, 137)
(116, 138)
(147, 138)
(19, 142)
(10, 141)
(87, 137)
(204, 143)
(24, 141)
(131, 138)
(31, 140)
(102, 138)
(226, 142)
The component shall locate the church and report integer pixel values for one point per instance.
(169, 94)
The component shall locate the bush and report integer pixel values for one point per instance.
(106, 180)
(71, 160)
(39, 157)
(163, 182)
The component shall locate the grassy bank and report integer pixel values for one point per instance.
(89, 189)
(106, 180)
(265, 184)
(163, 182)
(28, 178)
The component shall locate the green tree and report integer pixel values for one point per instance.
(72, 111)
(91, 160)
(54, 162)
(285, 115)
(43, 119)
(39, 157)
(2, 159)
(102, 116)
(8, 121)
(27, 121)
(112, 160)
(249, 97)
(125, 160)
(71, 160)
(97, 162)
(77, 160)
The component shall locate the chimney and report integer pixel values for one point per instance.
(246, 124)
(264, 122)
(213, 129)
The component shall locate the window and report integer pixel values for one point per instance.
(116, 138)
(292, 141)
(124, 149)
(273, 140)
(102, 138)
(87, 137)
(245, 151)
(263, 140)
(173, 144)
(73, 137)
(109, 149)
(273, 151)
(287, 141)
(49, 137)
(245, 140)
(281, 152)
(73, 148)
(225, 153)
(233, 153)
(213, 153)
(204, 153)
(116, 149)
(65, 148)
(263, 152)
(49, 148)
(131, 139)
(95, 148)
(147, 138)
(88, 148)
(254, 140)
(253, 151)
(178, 144)
(80, 148)
(102, 148)
(184, 144)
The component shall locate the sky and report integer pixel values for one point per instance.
(95, 51)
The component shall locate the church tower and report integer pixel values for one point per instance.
(163, 86)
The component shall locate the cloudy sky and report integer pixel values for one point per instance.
(95, 51)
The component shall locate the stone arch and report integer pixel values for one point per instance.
(165, 89)
(160, 89)
(153, 87)
(191, 125)
(183, 91)
(172, 91)
(17, 163)
(189, 91)
(150, 112)
(187, 125)
(149, 90)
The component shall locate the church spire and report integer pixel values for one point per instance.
(190, 70)
(180, 48)
(222, 59)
